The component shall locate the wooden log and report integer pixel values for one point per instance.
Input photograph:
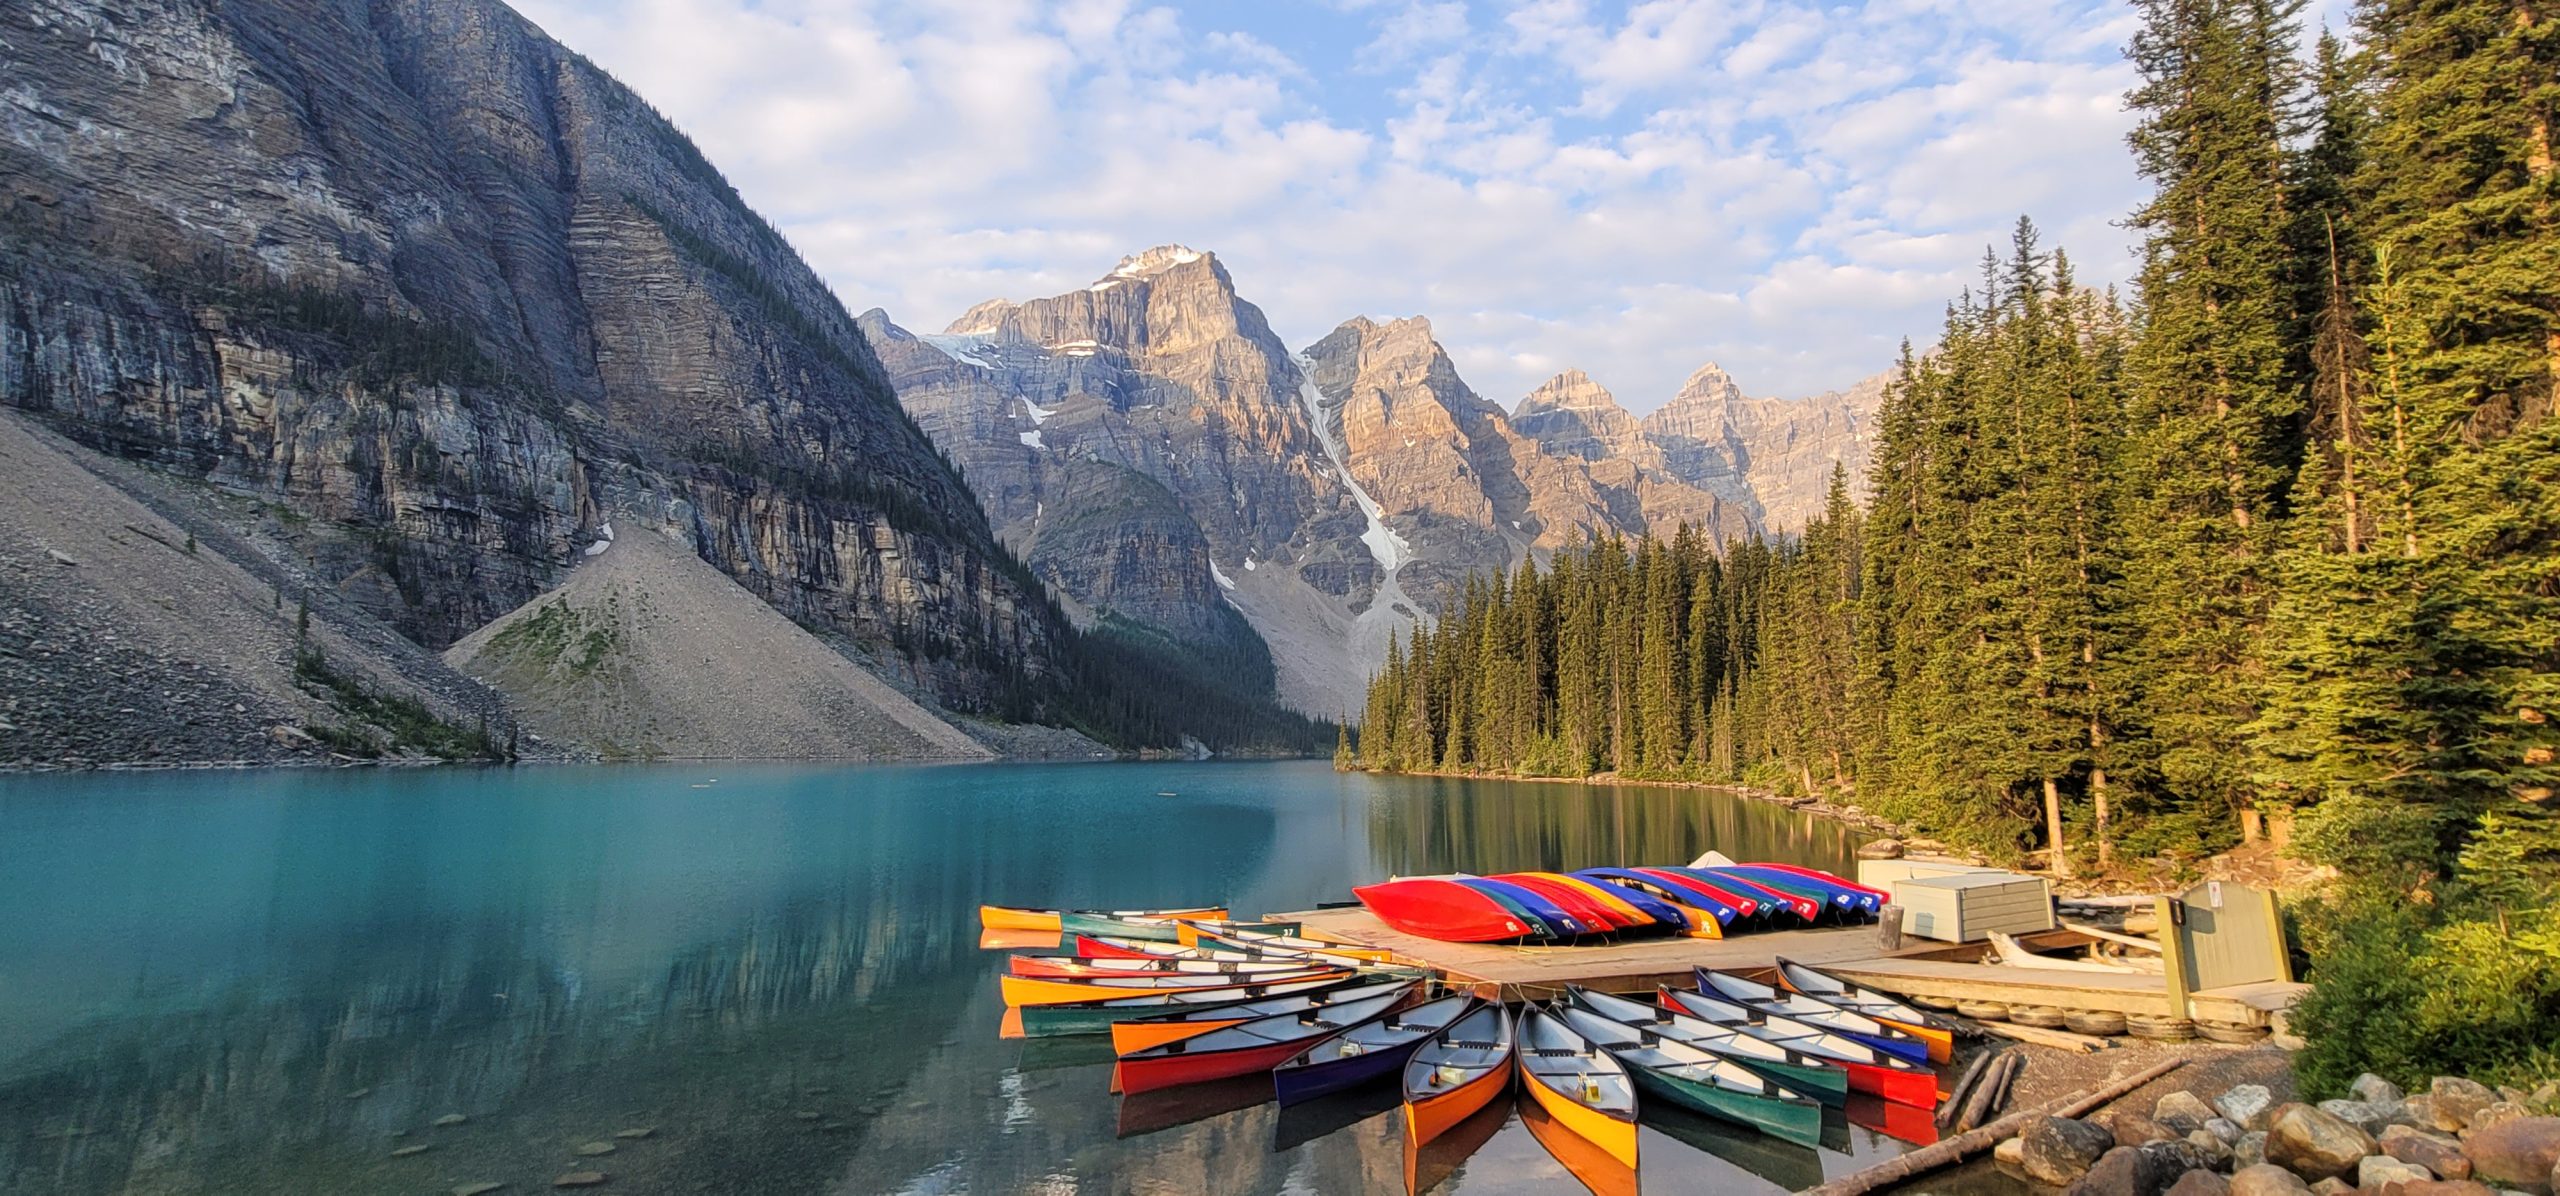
(2008, 1084)
(2129, 940)
(1977, 1108)
(1963, 1146)
(2059, 1039)
(1964, 1085)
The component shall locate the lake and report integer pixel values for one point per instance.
(271, 981)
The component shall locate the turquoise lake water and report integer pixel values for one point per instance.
(270, 981)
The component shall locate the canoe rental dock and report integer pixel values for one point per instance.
(1920, 968)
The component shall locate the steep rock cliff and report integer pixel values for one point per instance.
(442, 291)
(1776, 455)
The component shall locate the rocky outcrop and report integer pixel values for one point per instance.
(440, 292)
(647, 652)
(1773, 456)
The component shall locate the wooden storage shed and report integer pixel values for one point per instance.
(1966, 907)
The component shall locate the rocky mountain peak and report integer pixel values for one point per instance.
(1157, 261)
(1709, 383)
(1572, 415)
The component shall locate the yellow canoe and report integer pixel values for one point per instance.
(1005, 917)
(1582, 1087)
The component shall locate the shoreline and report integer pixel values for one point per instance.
(1808, 805)
(1142, 756)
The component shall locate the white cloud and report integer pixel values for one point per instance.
(1629, 188)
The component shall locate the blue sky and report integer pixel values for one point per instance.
(1633, 189)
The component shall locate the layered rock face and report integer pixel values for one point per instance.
(1336, 496)
(442, 291)
(1776, 455)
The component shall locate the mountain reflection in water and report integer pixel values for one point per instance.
(271, 981)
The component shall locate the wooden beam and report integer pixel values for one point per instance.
(2173, 956)
(2129, 940)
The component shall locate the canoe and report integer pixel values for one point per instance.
(1514, 902)
(1805, 1075)
(1751, 908)
(1069, 967)
(1097, 1017)
(1583, 1087)
(1829, 878)
(1776, 899)
(1595, 915)
(1275, 943)
(1660, 913)
(1560, 923)
(1442, 909)
(1599, 1171)
(1761, 998)
(1133, 1034)
(1700, 1080)
(1003, 917)
(1892, 1012)
(1844, 897)
(1870, 1071)
(1707, 916)
(1372, 1050)
(1243, 1049)
(1033, 990)
(1154, 929)
(1456, 1072)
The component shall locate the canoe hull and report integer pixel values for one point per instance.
(1616, 1137)
(1441, 909)
(1432, 1116)
(1815, 1081)
(1295, 1084)
(1918, 1089)
(1941, 1045)
(1130, 1037)
(1166, 1071)
(1797, 1122)
(998, 917)
(1023, 991)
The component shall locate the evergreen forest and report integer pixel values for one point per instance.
(2272, 540)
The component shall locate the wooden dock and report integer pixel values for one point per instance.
(1920, 968)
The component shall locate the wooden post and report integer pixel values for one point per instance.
(1889, 929)
(2275, 923)
(2173, 955)
(2252, 824)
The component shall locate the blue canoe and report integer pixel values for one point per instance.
(1724, 912)
(1839, 897)
(1559, 923)
(1371, 1050)
(1647, 904)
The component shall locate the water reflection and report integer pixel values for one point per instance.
(272, 981)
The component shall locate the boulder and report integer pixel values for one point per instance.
(579, 1179)
(2333, 1186)
(2377, 1170)
(1881, 849)
(2316, 1145)
(2364, 1115)
(2436, 1153)
(2445, 1187)
(2200, 1183)
(2457, 1099)
(2248, 1104)
(2373, 1089)
(2498, 1113)
(2057, 1150)
(2250, 1150)
(2421, 1111)
(2182, 1111)
(2135, 1129)
(2010, 1155)
(2129, 1171)
(450, 1119)
(2518, 1154)
(2226, 1129)
(2215, 1152)
(2267, 1179)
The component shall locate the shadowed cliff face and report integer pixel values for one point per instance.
(450, 297)
(1774, 454)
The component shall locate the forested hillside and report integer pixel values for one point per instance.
(2280, 535)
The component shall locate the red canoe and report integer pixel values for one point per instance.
(1745, 904)
(1574, 901)
(1826, 878)
(1258, 1045)
(1441, 909)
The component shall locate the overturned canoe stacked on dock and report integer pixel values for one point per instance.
(1598, 903)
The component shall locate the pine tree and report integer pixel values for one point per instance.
(2215, 411)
